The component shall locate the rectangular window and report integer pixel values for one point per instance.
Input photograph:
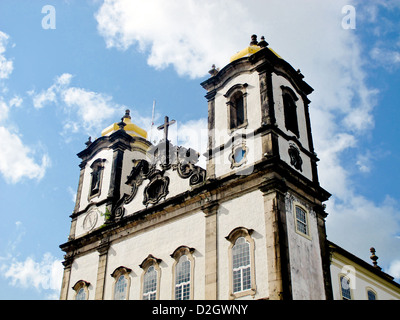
(301, 220)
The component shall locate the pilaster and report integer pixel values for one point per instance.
(211, 134)
(279, 282)
(102, 268)
(69, 259)
(211, 253)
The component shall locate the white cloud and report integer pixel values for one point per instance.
(6, 66)
(92, 108)
(72, 193)
(394, 269)
(387, 57)
(84, 110)
(49, 95)
(44, 275)
(17, 160)
(358, 224)
(174, 32)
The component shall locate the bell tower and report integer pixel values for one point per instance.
(258, 109)
(259, 125)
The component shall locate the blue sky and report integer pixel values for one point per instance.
(59, 86)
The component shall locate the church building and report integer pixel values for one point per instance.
(150, 223)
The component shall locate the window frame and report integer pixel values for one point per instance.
(81, 285)
(368, 290)
(342, 297)
(307, 220)
(147, 263)
(231, 96)
(117, 274)
(239, 144)
(97, 167)
(234, 235)
(177, 255)
(291, 118)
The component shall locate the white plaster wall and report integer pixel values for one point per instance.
(105, 184)
(254, 154)
(84, 268)
(253, 106)
(360, 280)
(305, 255)
(223, 134)
(160, 241)
(246, 211)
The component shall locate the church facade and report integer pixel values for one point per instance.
(149, 223)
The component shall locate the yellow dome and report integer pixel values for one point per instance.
(252, 48)
(129, 128)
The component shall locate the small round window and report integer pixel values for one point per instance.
(239, 154)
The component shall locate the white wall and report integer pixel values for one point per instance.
(84, 268)
(246, 211)
(305, 255)
(160, 241)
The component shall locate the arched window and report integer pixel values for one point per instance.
(345, 288)
(241, 265)
(237, 106)
(290, 110)
(96, 177)
(120, 288)
(241, 260)
(150, 278)
(81, 290)
(371, 294)
(182, 279)
(183, 273)
(121, 284)
(150, 284)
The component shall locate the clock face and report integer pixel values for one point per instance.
(90, 220)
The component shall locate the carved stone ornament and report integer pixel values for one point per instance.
(179, 158)
(295, 158)
(90, 220)
(140, 171)
(186, 168)
(156, 189)
(238, 155)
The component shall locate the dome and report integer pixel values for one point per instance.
(129, 127)
(253, 47)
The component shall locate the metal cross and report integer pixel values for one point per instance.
(165, 126)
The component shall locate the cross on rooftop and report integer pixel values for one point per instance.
(165, 126)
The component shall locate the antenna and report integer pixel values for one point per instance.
(152, 120)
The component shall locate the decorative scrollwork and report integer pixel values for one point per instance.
(295, 158)
(141, 171)
(156, 189)
(186, 168)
